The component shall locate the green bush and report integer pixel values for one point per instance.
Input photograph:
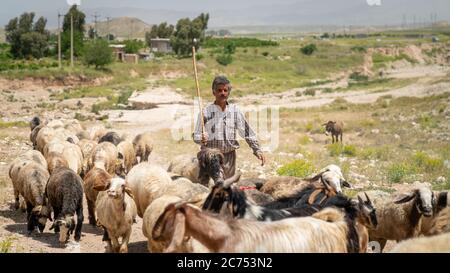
(358, 77)
(310, 92)
(298, 168)
(224, 59)
(337, 149)
(265, 53)
(98, 53)
(427, 163)
(397, 172)
(308, 49)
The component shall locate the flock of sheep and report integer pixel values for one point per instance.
(181, 214)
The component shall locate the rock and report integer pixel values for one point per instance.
(396, 136)
(299, 156)
(441, 179)
(375, 131)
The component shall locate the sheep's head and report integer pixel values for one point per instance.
(424, 200)
(40, 215)
(332, 177)
(210, 161)
(329, 126)
(66, 226)
(117, 188)
(367, 212)
(222, 196)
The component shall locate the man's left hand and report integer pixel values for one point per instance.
(262, 158)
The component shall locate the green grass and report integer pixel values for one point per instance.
(337, 149)
(397, 172)
(6, 245)
(11, 124)
(298, 168)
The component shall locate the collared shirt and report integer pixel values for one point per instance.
(221, 127)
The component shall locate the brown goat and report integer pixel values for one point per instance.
(95, 180)
(335, 128)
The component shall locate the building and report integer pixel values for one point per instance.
(160, 45)
(118, 52)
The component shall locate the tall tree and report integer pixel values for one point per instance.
(185, 33)
(79, 21)
(27, 39)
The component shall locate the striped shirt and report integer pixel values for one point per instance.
(221, 127)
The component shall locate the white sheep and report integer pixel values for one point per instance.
(126, 157)
(143, 146)
(104, 156)
(116, 212)
(441, 201)
(186, 166)
(19, 163)
(148, 182)
(87, 147)
(434, 244)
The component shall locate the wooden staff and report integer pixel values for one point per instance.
(198, 91)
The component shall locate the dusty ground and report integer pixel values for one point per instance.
(168, 113)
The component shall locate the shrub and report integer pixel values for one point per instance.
(427, 163)
(358, 77)
(298, 168)
(97, 53)
(310, 92)
(308, 49)
(397, 172)
(224, 59)
(337, 149)
(265, 53)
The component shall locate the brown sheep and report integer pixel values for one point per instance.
(95, 180)
(335, 128)
(143, 146)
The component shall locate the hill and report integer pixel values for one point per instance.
(123, 27)
(2, 35)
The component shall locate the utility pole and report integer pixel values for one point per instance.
(107, 26)
(59, 41)
(71, 40)
(95, 24)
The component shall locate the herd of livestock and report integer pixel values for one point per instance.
(281, 214)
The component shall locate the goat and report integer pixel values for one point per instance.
(335, 128)
(95, 180)
(330, 230)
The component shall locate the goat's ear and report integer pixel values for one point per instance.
(158, 229)
(221, 158)
(346, 184)
(102, 186)
(201, 156)
(368, 199)
(179, 229)
(404, 198)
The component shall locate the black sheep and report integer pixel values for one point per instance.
(112, 137)
(65, 194)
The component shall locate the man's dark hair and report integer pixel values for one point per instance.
(221, 80)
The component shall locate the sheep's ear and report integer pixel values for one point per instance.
(325, 124)
(101, 186)
(404, 198)
(129, 192)
(346, 184)
(120, 155)
(201, 156)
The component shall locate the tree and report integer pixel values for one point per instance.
(98, 53)
(133, 46)
(79, 20)
(27, 39)
(185, 33)
(308, 49)
(159, 31)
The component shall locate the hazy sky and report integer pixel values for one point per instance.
(244, 12)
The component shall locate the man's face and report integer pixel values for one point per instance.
(221, 93)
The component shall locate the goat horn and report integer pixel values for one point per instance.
(227, 183)
(368, 199)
